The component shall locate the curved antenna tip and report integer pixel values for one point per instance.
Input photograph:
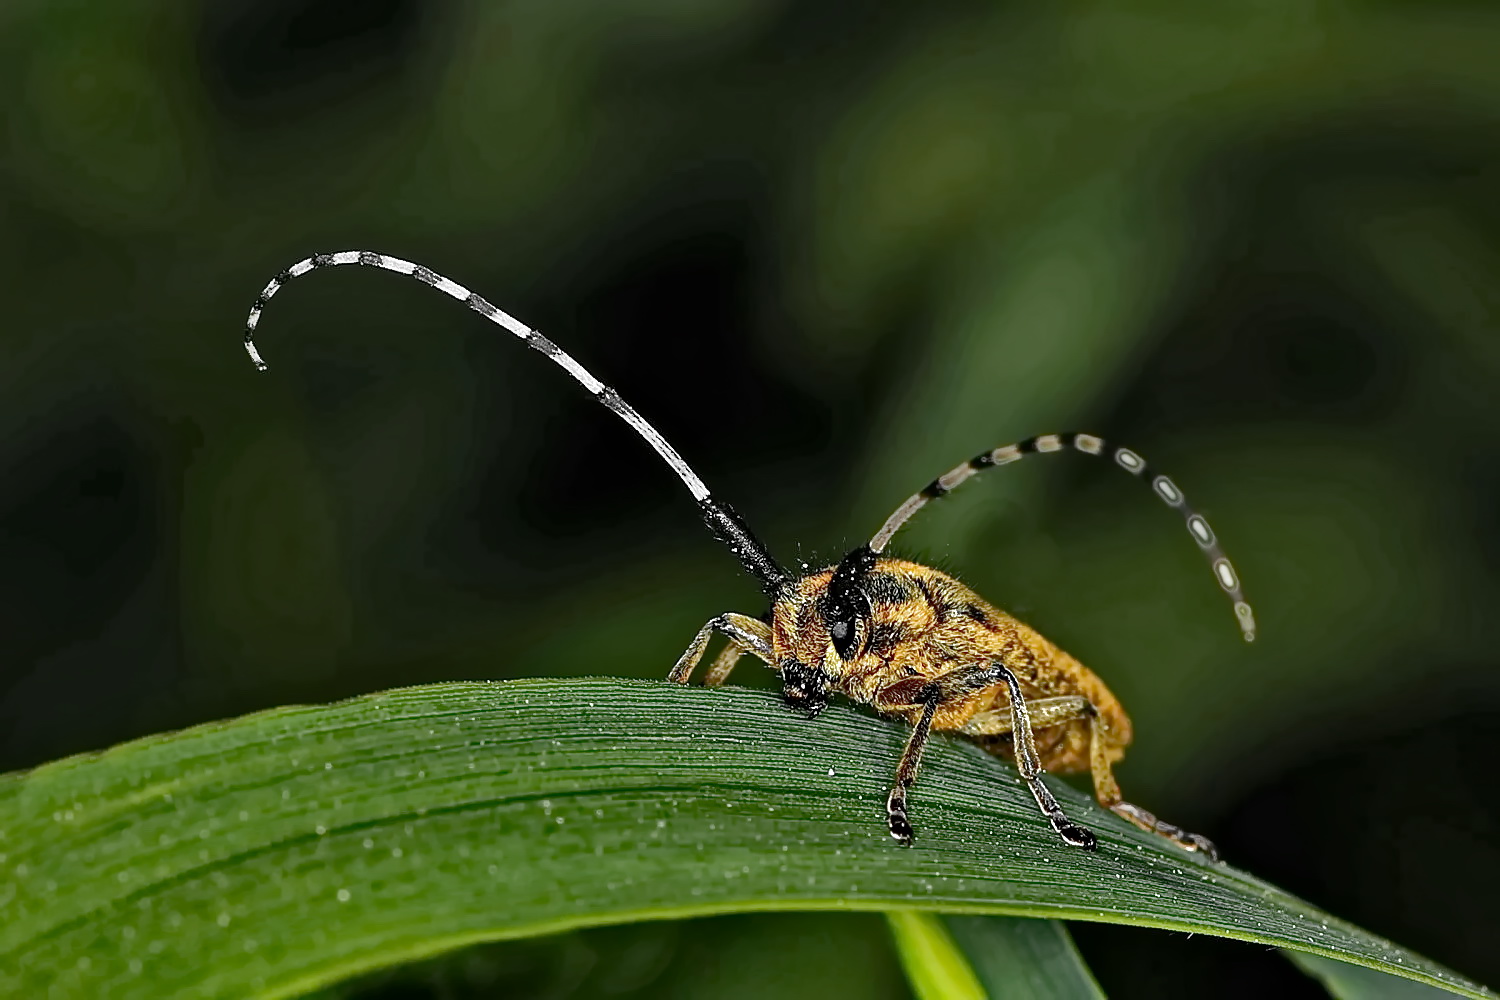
(255, 357)
(1246, 616)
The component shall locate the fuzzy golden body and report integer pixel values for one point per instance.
(925, 624)
(916, 644)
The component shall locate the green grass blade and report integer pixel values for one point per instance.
(935, 966)
(277, 852)
(1020, 959)
(1354, 982)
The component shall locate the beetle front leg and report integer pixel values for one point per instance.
(745, 634)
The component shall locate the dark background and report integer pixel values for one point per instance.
(829, 249)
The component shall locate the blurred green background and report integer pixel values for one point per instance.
(829, 249)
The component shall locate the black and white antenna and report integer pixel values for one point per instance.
(1126, 459)
(720, 517)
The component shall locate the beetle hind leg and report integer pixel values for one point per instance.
(1147, 821)
(1057, 711)
(1107, 791)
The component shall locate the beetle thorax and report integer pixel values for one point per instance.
(915, 621)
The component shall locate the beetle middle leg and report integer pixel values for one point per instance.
(1059, 711)
(745, 634)
(955, 686)
(906, 774)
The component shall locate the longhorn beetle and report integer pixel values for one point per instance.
(904, 638)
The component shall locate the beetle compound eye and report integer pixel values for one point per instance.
(846, 606)
(846, 614)
(843, 633)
